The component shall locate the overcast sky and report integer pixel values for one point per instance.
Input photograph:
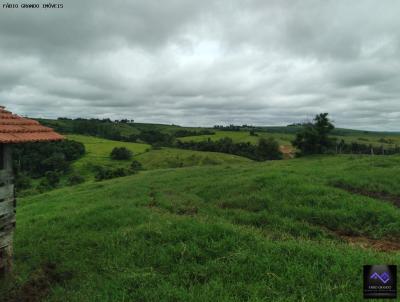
(206, 62)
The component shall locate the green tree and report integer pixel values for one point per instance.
(121, 153)
(314, 136)
(136, 166)
(23, 182)
(75, 179)
(53, 178)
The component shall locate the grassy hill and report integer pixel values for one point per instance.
(241, 136)
(98, 153)
(297, 230)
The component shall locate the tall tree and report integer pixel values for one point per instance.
(314, 136)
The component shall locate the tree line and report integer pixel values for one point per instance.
(314, 138)
(266, 149)
(45, 159)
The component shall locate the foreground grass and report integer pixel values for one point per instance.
(178, 158)
(247, 232)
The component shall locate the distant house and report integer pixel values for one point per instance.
(14, 130)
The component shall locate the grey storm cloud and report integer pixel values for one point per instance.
(261, 62)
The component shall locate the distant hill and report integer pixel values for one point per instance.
(129, 131)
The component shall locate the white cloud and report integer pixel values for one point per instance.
(205, 62)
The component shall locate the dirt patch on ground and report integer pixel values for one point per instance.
(378, 245)
(395, 199)
(288, 151)
(38, 286)
(381, 245)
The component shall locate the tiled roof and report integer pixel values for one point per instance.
(15, 129)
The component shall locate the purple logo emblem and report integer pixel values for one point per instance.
(384, 277)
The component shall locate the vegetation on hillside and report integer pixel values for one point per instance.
(121, 153)
(159, 135)
(50, 160)
(266, 149)
(232, 229)
(254, 232)
(315, 138)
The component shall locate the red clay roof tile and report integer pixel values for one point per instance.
(15, 129)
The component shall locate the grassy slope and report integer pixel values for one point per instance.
(255, 232)
(176, 158)
(241, 136)
(98, 153)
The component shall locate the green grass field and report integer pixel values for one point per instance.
(178, 158)
(241, 136)
(272, 231)
(98, 153)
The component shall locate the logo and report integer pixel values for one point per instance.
(380, 281)
(384, 277)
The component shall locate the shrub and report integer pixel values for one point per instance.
(44, 186)
(253, 133)
(268, 149)
(107, 173)
(136, 166)
(53, 178)
(55, 162)
(121, 153)
(23, 182)
(75, 179)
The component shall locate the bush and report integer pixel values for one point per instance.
(121, 153)
(75, 179)
(136, 166)
(55, 163)
(253, 133)
(53, 178)
(107, 173)
(23, 182)
(268, 149)
(44, 186)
